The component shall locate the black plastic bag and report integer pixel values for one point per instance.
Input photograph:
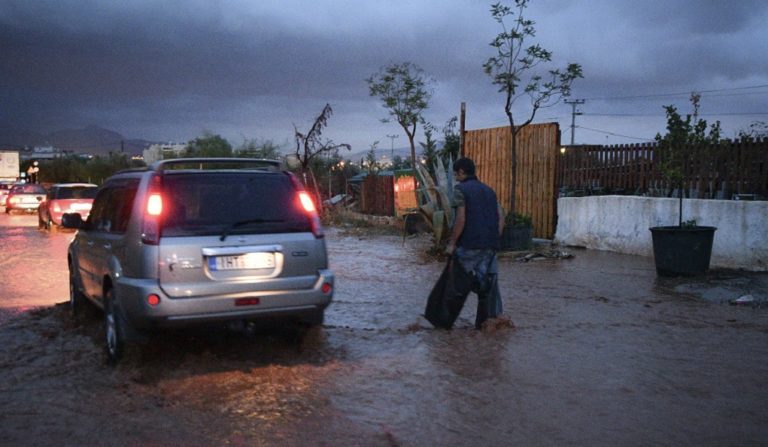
(448, 295)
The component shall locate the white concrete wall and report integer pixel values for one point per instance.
(621, 223)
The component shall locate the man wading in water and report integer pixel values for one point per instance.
(472, 247)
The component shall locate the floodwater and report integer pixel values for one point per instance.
(602, 353)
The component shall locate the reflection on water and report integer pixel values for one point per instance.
(33, 265)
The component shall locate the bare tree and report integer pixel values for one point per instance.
(311, 144)
(513, 70)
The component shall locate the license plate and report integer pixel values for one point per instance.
(242, 262)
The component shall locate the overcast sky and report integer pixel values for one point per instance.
(171, 69)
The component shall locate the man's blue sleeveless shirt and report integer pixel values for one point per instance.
(481, 229)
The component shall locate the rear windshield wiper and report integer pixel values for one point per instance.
(241, 223)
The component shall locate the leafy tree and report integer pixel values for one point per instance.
(67, 169)
(99, 167)
(255, 148)
(685, 140)
(405, 91)
(429, 150)
(370, 163)
(74, 168)
(755, 131)
(451, 141)
(401, 163)
(209, 145)
(513, 69)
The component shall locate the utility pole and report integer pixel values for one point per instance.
(392, 149)
(462, 123)
(573, 104)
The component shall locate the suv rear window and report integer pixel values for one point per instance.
(231, 202)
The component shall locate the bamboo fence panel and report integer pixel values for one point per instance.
(537, 151)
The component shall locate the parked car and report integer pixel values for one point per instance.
(24, 197)
(197, 241)
(65, 198)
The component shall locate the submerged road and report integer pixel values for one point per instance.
(603, 353)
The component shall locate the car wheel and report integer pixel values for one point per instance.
(316, 318)
(112, 329)
(76, 298)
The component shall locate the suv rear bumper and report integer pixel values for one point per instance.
(188, 311)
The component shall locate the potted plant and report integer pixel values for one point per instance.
(517, 233)
(684, 249)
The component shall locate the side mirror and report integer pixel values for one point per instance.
(72, 220)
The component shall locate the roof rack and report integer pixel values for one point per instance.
(226, 163)
(127, 170)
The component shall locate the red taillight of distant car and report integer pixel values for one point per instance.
(326, 288)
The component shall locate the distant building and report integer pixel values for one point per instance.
(41, 153)
(157, 152)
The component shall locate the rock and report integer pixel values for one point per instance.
(744, 300)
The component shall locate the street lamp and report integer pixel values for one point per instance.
(392, 149)
(339, 165)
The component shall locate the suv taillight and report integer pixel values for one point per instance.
(153, 212)
(307, 205)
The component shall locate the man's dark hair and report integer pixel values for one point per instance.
(466, 165)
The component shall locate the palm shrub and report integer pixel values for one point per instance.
(437, 197)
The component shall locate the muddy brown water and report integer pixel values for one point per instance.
(603, 353)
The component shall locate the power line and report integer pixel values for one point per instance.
(662, 115)
(664, 95)
(615, 134)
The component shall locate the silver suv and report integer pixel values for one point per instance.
(198, 240)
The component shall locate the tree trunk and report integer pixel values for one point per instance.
(512, 195)
(413, 165)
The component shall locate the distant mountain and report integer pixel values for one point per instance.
(92, 140)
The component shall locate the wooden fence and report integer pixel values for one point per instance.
(733, 168)
(377, 195)
(537, 157)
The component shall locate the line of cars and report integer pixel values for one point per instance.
(49, 203)
(189, 242)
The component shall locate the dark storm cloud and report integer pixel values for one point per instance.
(170, 69)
